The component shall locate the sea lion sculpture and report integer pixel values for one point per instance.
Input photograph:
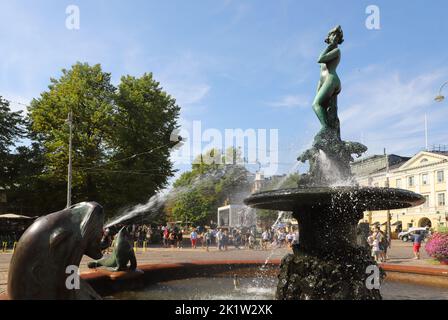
(122, 253)
(38, 268)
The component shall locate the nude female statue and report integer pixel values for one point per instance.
(325, 102)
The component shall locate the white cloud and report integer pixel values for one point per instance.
(388, 109)
(291, 101)
(17, 102)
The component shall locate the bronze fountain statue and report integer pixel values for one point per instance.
(327, 263)
(38, 269)
(325, 105)
(122, 254)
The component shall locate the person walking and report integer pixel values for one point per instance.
(289, 239)
(374, 242)
(166, 235)
(265, 238)
(179, 238)
(207, 239)
(193, 238)
(219, 236)
(418, 239)
(237, 240)
(384, 245)
(225, 239)
(172, 239)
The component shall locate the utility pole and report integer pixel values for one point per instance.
(69, 171)
(388, 226)
(426, 132)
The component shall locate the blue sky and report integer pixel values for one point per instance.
(248, 64)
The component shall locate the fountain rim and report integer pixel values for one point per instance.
(360, 198)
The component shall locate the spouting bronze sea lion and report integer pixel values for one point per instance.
(122, 254)
(51, 244)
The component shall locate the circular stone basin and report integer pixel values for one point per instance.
(358, 198)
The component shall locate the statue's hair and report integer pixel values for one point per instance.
(338, 31)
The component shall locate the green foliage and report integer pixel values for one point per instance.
(193, 206)
(120, 136)
(442, 229)
(144, 118)
(268, 217)
(198, 193)
(11, 126)
(87, 92)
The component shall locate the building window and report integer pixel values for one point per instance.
(398, 183)
(441, 199)
(440, 176)
(425, 180)
(426, 204)
(411, 181)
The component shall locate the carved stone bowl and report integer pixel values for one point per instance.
(357, 198)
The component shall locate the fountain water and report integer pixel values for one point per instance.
(327, 263)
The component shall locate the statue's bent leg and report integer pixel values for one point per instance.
(321, 101)
(333, 114)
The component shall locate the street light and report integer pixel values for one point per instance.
(440, 97)
(388, 226)
(69, 169)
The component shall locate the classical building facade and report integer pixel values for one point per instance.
(425, 173)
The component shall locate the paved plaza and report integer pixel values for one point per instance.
(400, 254)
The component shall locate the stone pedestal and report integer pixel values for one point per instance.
(327, 263)
(340, 276)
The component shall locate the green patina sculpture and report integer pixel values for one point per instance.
(325, 102)
(329, 152)
(122, 254)
(53, 243)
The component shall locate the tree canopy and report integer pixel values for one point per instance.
(121, 138)
(208, 185)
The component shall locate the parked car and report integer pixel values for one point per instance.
(407, 235)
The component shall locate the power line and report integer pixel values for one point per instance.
(127, 158)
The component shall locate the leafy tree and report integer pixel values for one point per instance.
(198, 193)
(11, 129)
(87, 92)
(11, 126)
(144, 117)
(268, 217)
(120, 135)
(193, 206)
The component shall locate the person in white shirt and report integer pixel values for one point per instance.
(265, 237)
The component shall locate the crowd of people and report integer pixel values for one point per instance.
(379, 243)
(222, 238)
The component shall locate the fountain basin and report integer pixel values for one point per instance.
(258, 281)
(358, 198)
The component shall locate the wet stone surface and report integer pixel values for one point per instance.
(327, 277)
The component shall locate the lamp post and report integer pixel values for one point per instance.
(69, 169)
(388, 226)
(440, 97)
